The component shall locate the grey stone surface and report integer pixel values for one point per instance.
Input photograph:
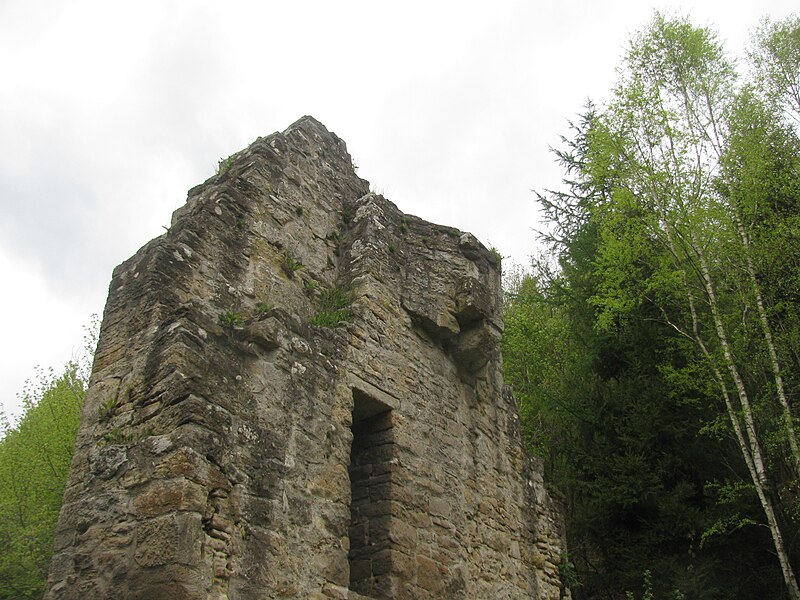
(231, 448)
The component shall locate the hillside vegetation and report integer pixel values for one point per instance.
(35, 456)
(655, 352)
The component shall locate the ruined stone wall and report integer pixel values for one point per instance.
(237, 444)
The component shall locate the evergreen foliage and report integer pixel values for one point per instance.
(657, 368)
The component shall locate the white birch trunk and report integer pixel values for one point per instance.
(751, 445)
(773, 354)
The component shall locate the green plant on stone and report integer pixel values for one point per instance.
(334, 306)
(224, 165)
(496, 255)
(263, 308)
(106, 410)
(116, 437)
(568, 572)
(230, 319)
(330, 318)
(289, 264)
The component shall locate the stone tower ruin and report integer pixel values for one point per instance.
(297, 393)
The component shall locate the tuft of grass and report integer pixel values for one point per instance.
(263, 308)
(289, 264)
(230, 319)
(106, 410)
(116, 437)
(334, 306)
(330, 318)
(224, 165)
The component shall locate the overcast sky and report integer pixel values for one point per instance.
(111, 111)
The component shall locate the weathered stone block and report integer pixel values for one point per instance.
(170, 539)
(429, 575)
(307, 403)
(163, 496)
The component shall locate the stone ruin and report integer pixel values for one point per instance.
(297, 393)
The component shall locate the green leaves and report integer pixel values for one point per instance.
(230, 319)
(677, 304)
(334, 304)
(775, 56)
(35, 456)
(290, 264)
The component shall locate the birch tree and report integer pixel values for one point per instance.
(775, 56)
(662, 141)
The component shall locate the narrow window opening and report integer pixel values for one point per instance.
(370, 485)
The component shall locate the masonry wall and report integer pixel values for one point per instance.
(230, 448)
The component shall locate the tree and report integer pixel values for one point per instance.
(666, 134)
(624, 456)
(775, 56)
(35, 456)
(669, 184)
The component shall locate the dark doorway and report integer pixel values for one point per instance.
(370, 508)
